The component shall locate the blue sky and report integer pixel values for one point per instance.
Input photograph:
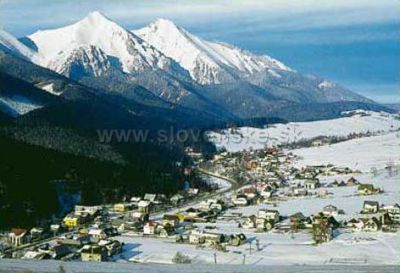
(353, 42)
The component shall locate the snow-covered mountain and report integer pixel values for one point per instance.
(93, 45)
(207, 62)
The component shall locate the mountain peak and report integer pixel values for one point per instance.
(164, 25)
(96, 15)
(96, 18)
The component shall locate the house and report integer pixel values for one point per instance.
(359, 224)
(165, 230)
(352, 181)
(249, 222)
(98, 234)
(392, 208)
(144, 206)
(72, 221)
(18, 236)
(269, 214)
(59, 251)
(177, 199)
(300, 192)
(330, 210)
(94, 253)
(262, 224)
(150, 197)
(121, 207)
(297, 220)
(237, 240)
(367, 189)
(201, 237)
(193, 191)
(370, 207)
(91, 210)
(373, 224)
(37, 233)
(135, 200)
(311, 184)
(171, 219)
(150, 228)
(113, 246)
(240, 201)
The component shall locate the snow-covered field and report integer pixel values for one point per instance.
(245, 137)
(361, 153)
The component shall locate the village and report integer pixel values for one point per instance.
(250, 188)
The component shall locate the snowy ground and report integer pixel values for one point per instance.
(361, 154)
(245, 137)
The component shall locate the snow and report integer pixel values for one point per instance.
(361, 154)
(221, 184)
(100, 32)
(18, 105)
(245, 138)
(207, 62)
(49, 87)
(326, 85)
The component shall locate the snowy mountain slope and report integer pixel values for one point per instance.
(86, 60)
(92, 42)
(207, 62)
(359, 122)
(10, 44)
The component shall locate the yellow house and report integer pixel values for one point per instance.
(71, 221)
(120, 207)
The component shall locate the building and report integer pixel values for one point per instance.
(263, 224)
(98, 234)
(366, 189)
(18, 236)
(90, 253)
(269, 214)
(201, 237)
(144, 206)
(249, 222)
(297, 221)
(311, 184)
(150, 228)
(370, 207)
(121, 207)
(91, 210)
(373, 224)
(330, 210)
(237, 240)
(240, 201)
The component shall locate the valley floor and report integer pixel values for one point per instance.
(347, 247)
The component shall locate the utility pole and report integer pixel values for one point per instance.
(250, 247)
(215, 257)
(258, 244)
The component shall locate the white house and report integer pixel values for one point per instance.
(268, 214)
